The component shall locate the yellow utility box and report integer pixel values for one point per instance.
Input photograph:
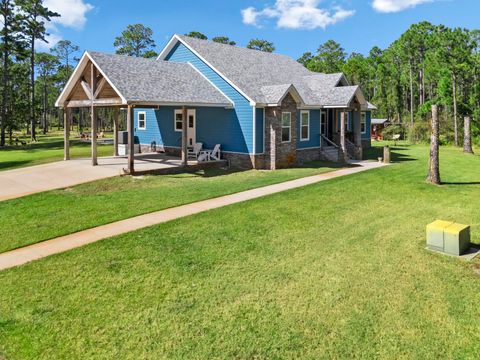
(456, 238)
(435, 236)
(448, 237)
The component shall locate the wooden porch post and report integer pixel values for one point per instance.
(66, 132)
(273, 142)
(93, 112)
(131, 140)
(343, 145)
(115, 131)
(184, 136)
(357, 133)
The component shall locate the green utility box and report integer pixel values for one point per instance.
(448, 237)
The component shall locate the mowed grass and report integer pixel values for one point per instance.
(43, 216)
(48, 148)
(333, 270)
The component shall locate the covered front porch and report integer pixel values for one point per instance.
(102, 81)
(345, 130)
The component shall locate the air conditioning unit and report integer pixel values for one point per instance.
(123, 149)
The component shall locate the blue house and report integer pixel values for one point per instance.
(265, 110)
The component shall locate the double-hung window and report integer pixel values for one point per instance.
(304, 125)
(363, 122)
(323, 124)
(178, 120)
(142, 120)
(286, 126)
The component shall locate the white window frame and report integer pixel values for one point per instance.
(289, 127)
(144, 127)
(323, 116)
(363, 121)
(177, 111)
(308, 125)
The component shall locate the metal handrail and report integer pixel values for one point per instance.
(329, 141)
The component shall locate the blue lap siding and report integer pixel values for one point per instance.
(314, 139)
(366, 134)
(213, 126)
(349, 123)
(235, 125)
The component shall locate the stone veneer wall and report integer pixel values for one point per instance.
(280, 154)
(307, 155)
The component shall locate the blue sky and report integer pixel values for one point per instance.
(294, 26)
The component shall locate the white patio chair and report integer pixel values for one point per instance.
(210, 155)
(195, 151)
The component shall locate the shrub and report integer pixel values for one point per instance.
(393, 129)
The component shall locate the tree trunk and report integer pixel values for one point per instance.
(422, 85)
(5, 84)
(467, 137)
(434, 163)
(45, 124)
(455, 120)
(32, 89)
(411, 95)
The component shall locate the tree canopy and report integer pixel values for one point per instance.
(224, 40)
(136, 40)
(197, 35)
(262, 45)
(427, 64)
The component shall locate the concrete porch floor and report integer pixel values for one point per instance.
(29, 180)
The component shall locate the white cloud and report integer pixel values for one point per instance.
(72, 12)
(297, 14)
(52, 39)
(389, 6)
(72, 15)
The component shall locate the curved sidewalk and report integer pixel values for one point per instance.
(64, 243)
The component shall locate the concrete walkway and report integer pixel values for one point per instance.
(64, 243)
(61, 174)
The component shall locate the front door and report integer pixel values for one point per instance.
(191, 127)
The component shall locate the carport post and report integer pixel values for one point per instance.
(184, 136)
(66, 132)
(131, 140)
(93, 112)
(115, 131)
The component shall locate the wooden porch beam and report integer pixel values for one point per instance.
(86, 88)
(96, 102)
(131, 139)
(100, 86)
(184, 136)
(66, 133)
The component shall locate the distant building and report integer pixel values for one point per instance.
(377, 126)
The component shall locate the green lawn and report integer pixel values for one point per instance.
(48, 148)
(333, 270)
(60, 212)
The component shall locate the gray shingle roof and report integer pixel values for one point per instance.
(379, 121)
(149, 80)
(264, 77)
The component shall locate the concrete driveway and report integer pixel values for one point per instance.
(62, 174)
